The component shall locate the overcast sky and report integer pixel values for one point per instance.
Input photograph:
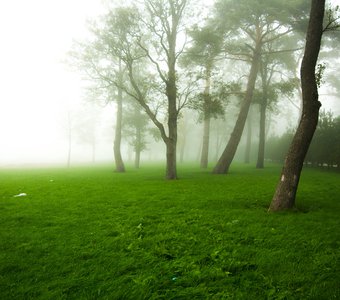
(36, 89)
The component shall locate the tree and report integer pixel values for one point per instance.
(205, 48)
(135, 128)
(260, 23)
(100, 67)
(284, 197)
(145, 40)
(165, 19)
(271, 88)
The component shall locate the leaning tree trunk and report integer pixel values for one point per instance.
(228, 154)
(284, 197)
(118, 134)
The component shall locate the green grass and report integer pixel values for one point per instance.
(90, 233)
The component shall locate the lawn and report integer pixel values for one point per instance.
(90, 233)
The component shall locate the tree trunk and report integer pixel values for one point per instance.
(206, 121)
(248, 142)
(118, 134)
(228, 154)
(182, 148)
(284, 197)
(138, 147)
(262, 135)
(171, 143)
(137, 159)
(205, 143)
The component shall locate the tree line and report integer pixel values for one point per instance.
(324, 150)
(157, 58)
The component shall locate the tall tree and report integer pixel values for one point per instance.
(284, 197)
(100, 67)
(271, 88)
(135, 128)
(165, 23)
(205, 47)
(146, 40)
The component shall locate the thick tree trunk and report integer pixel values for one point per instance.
(262, 135)
(228, 154)
(284, 197)
(118, 134)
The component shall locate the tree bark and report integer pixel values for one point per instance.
(228, 154)
(118, 134)
(285, 194)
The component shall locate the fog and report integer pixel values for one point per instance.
(42, 99)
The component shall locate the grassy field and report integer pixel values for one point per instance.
(90, 233)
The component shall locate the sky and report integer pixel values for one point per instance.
(36, 87)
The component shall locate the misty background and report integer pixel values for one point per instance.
(41, 98)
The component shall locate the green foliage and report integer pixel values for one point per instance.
(89, 233)
(320, 69)
(324, 148)
(213, 105)
(277, 147)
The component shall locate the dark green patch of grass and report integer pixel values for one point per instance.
(90, 233)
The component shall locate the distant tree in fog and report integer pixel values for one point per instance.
(135, 128)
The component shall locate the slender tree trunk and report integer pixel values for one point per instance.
(137, 159)
(138, 147)
(263, 109)
(118, 134)
(171, 143)
(284, 197)
(205, 143)
(182, 148)
(262, 136)
(182, 137)
(228, 154)
(248, 142)
(207, 118)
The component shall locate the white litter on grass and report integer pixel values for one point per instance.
(20, 195)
